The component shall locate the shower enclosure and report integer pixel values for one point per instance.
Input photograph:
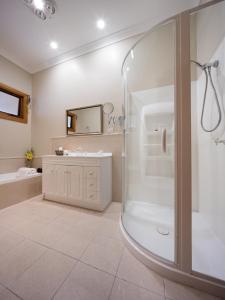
(173, 216)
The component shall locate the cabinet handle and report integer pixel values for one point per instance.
(164, 140)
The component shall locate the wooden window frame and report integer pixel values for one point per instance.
(23, 105)
(73, 122)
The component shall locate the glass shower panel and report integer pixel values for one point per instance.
(149, 205)
(208, 140)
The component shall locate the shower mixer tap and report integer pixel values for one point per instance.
(218, 141)
(213, 64)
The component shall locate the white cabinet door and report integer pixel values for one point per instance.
(48, 180)
(61, 182)
(75, 184)
(54, 182)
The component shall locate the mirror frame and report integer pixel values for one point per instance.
(68, 112)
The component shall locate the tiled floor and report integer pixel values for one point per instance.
(52, 251)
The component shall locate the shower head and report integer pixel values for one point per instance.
(213, 64)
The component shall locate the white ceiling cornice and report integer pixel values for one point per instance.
(92, 46)
(82, 50)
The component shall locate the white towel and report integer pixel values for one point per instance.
(26, 171)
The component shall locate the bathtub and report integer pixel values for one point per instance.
(14, 188)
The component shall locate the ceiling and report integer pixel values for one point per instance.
(24, 38)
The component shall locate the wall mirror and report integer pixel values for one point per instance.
(84, 120)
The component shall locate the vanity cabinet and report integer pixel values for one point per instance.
(79, 181)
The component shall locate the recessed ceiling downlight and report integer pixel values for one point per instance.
(54, 45)
(100, 24)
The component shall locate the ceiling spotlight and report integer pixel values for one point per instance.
(100, 24)
(54, 45)
(42, 8)
(39, 4)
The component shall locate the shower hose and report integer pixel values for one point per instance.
(208, 76)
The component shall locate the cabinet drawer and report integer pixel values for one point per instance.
(92, 184)
(92, 172)
(92, 196)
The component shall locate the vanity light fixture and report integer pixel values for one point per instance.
(54, 45)
(100, 24)
(42, 8)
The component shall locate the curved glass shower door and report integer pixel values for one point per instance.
(149, 202)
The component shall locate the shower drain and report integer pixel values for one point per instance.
(163, 230)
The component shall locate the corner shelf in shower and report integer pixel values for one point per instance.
(153, 132)
(150, 145)
(159, 157)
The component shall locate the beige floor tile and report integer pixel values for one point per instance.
(15, 262)
(132, 270)
(177, 291)
(21, 211)
(45, 234)
(110, 228)
(3, 231)
(10, 220)
(43, 278)
(29, 228)
(123, 290)
(46, 212)
(71, 245)
(104, 253)
(114, 207)
(87, 228)
(86, 283)
(8, 241)
(5, 294)
(67, 221)
(113, 212)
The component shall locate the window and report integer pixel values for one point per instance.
(13, 104)
(71, 122)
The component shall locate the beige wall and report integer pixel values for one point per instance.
(91, 79)
(15, 137)
(210, 31)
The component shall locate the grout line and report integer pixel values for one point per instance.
(121, 256)
(141, 287)
(63, 281)
(110, 293)
(164, 286)
(11, 291)
(94, 267)
(33, 263)
(135, 284)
